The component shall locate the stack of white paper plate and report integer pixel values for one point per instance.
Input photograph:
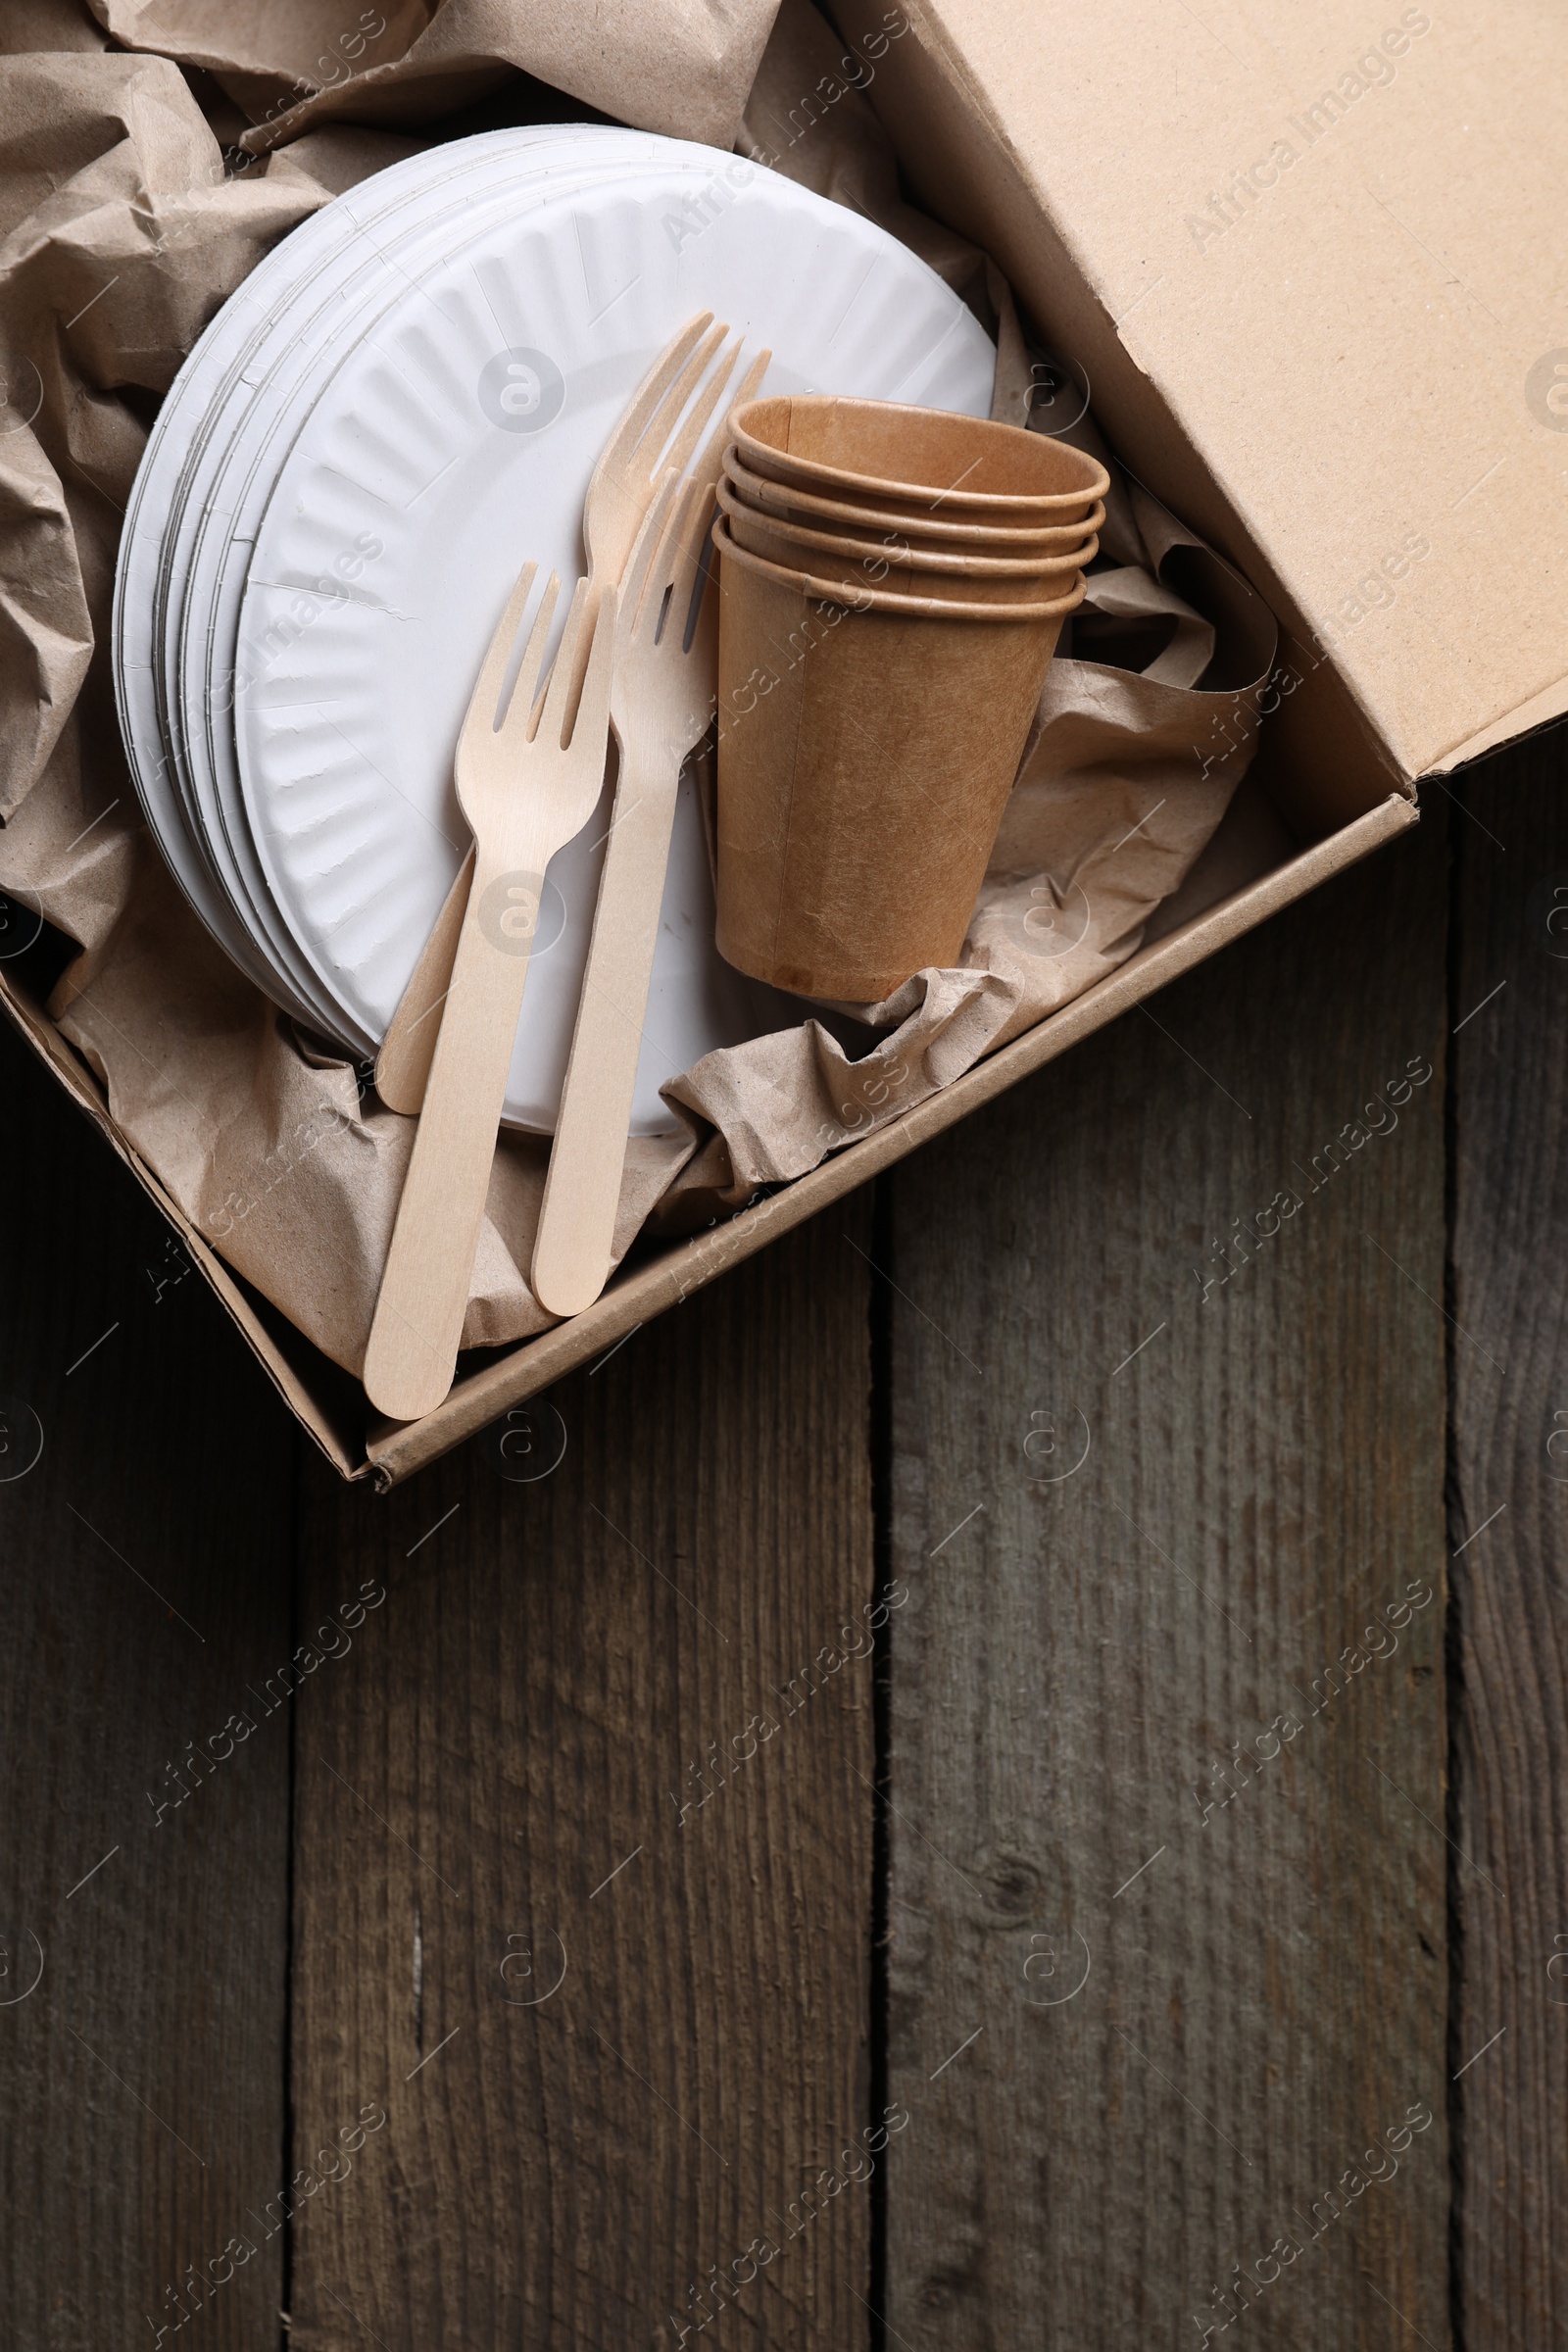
(401, 405)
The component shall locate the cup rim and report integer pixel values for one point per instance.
(984, 537)
(979, 502)
(946, 563)
(877, 600)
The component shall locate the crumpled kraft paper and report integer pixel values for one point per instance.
(29, 24)
(682, 67)
(121, 234)
(103, 288)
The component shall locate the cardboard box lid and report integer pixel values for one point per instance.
(1328, 244)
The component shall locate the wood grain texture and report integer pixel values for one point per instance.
(583, 1886)
(146, 1590)
(1168, 1929)
(1510, 1536)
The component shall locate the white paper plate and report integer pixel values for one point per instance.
(193, 413)
(228, 497)
(346, 737)
(139, 574)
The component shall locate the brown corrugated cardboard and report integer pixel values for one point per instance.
(1311, 260)
(1301, 382)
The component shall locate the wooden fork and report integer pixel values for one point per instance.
(662, 699)
(620, 494)
(526, 786)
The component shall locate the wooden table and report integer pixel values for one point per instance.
(1015, 1756)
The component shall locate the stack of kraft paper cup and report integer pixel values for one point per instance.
(893, 584)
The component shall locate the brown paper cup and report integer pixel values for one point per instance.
(916, 520)
(870, 563)
(963, 468)
(865, 754)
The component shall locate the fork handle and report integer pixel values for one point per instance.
(582, 1189)
(413, 1348)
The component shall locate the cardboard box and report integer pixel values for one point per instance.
(1309, 258)
(1296, 354)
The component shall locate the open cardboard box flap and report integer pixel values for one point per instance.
(1339, 364)
(1311, 260)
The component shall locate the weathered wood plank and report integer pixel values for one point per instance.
(1167, 1903)
(145, 1594)
(583, 1890)
(1509, 1537)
